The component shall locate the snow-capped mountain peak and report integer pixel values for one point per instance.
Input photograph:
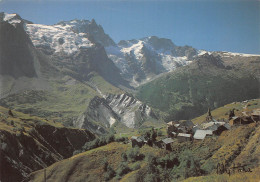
(59, 38)
(78, 26)
(11, 18)
(68, 36)
(91, 28)
(139, 59)
(133, 48)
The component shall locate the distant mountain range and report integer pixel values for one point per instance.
(138, 60)
(72, 69)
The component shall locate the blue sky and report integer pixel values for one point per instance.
(211, 25)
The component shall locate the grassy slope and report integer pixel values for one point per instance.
(238, 177)
(22, 120)
(222, 112)
(87, 166)
(104, 86)
(63, 102)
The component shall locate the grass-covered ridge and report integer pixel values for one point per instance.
(21, 120)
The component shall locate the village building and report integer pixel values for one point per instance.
(195, 128)
(246, 120)
(183, 130)
(184, 127)
(234, 120)
(201, 134)
(183, 137)
(136, 141)
(166, 143)
(188, 124)
(216, 127)
(227, 125)
(173, 134)
(171, 123)
(143, 139)
(177, 125)
(241, 120)
(211, 123)
(171, 127)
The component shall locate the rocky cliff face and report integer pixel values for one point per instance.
(16, 49)
(45, 145)
(98, 117)
(107, 111)
(22, 66)
(131, 111)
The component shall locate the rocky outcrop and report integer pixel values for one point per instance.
(131, 111)
(16, 55)
(22, 66)
(107, 111)
(98, 117)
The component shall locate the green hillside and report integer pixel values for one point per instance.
(208, 82)
(63, 101)
(203, 157)
(189, 161)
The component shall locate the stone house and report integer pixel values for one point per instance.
(166, 143)
(136, 141)
(241, 120)
(183, 137)
(201, 134)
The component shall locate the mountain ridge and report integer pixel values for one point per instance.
(75, 61)
(194, 87)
